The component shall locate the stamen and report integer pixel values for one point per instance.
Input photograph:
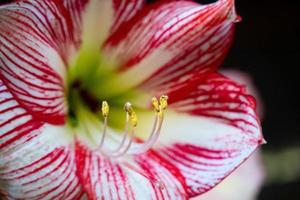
(128, 136)
(105, 111)
(154, 136)
(155, 104)
(163, 102)
(132, 115)
(105, 108)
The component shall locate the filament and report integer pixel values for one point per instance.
(125, 134)
(103, 133)
(154, 136)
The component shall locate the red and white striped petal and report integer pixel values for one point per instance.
(34, 164)
(142, 177)
(93, 20)
(169, 39)
(40, 168)
(16, 125)
(124, 11)
(76, 8)
(34, 40)
(211, 130)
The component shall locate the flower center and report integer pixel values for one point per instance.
(97, 117)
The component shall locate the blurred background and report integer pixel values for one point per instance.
(266, 48)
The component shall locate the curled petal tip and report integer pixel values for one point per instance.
(263, 141)
(238, 18)
(233, 14)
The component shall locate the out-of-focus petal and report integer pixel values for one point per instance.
(33, 163)
(169, 39)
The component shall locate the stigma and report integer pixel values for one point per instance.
(126, 147)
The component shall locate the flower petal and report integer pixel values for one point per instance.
(76, 9)
(124, 11)
(213, 128)
(33, 163)
(139, 177)
(34, 40)
(94, 20)
(169, 39)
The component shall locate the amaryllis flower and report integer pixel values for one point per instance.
(70, 67)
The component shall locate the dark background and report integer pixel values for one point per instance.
(266, 46)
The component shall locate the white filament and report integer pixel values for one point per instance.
(103, 133)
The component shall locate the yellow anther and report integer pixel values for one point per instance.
(163, 102)
(133, 119)
(132, 115)
(105, 108)
(155, 104)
